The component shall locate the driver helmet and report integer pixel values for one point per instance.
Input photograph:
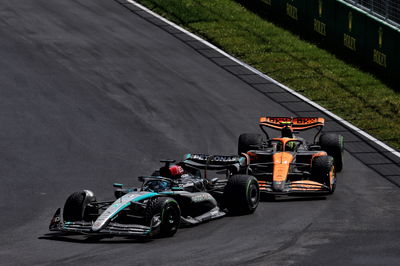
(158, 185)
(174, 171)
(291, 145)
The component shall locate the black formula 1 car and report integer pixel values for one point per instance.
(288, 165)
(174, 195)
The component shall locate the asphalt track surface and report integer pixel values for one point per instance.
(92, 93)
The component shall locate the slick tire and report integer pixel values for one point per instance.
(249, 141)
(76, 206)
(167, 210)
(241, 194)
(323, 171)
(334, 146)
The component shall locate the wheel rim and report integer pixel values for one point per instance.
(171, 219)
(253, 195)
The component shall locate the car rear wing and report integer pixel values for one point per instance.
(212, 162)
(297, 123)
(294, 124)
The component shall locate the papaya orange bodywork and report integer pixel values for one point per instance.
(300, 123)
(306, 185)
(290, 171)
(282, 161)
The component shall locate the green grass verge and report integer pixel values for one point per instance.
(343, 89)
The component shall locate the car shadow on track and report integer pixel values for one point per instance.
(92, 239)
(269, 198)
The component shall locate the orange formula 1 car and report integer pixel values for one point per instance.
(288, 165)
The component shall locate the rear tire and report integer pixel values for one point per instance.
(323, 171)
(334, 146)
(249, 141)
(241, 194)
(75, 207)
(167, 210)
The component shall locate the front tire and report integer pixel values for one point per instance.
(76, 206)
(323, 171)
(167, 211)
(241, 194)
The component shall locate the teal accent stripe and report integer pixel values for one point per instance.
(121, 208)
(145, 196)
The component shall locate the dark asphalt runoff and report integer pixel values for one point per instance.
(91, 93)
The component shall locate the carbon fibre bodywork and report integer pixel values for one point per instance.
(126, 215)
(198, 200)
(288, 165)
(287, 173)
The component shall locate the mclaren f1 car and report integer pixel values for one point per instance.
(174, 195)
(289, 165)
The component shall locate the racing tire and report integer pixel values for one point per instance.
(167, 210)
(334, 146)
(323, 171)
(241, 194)
(76, 206)
(249, 141)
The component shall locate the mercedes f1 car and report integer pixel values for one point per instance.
(174, 195)
(288, 165)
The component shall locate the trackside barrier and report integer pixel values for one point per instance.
(353, 30)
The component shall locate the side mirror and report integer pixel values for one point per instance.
(118, 185)
(141, 179)
(315, 147)
(214, 180)
(167, 162)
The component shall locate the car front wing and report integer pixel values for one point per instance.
(115, 229)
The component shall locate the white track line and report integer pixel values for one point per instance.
(319, 107)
